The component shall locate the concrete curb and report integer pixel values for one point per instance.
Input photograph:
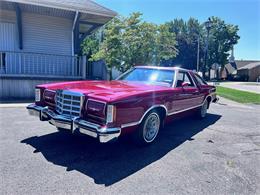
(14, 105)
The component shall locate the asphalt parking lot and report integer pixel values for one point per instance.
(218, 155)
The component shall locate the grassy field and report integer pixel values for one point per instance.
(238, 96)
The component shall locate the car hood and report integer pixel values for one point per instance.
(105, 90)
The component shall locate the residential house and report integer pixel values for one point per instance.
(40, 42)
(245, 70)
(251, 71)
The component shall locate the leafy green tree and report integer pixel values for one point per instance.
(130, 41)
(166, 44)
(111, 48)
(188, 35)
(91, 44)
(139, 40)
(221, 40)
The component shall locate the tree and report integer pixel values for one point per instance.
(166, 44)
(91, 44)
(130, 41)
(222, 39)
(187, 36)
(110, 49)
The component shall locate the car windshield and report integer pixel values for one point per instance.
(149, 75)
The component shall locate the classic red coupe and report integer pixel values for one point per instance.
(139, 102)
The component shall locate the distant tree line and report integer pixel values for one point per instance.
(128, 41)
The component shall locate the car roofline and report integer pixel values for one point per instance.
(162, 68)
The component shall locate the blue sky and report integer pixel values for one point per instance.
(244, 13)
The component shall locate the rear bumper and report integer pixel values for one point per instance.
(214, 98)
(75, 124)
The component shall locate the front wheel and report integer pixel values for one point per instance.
(149, 129)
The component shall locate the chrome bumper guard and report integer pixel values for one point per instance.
(76, 124)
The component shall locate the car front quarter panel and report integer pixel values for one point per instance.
(130, 112)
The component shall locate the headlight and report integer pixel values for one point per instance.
(37, 95)
(96, 108)
(111, 113)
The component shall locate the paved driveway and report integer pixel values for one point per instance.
(218, 155)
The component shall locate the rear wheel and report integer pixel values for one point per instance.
(149, 129)
(202, 112)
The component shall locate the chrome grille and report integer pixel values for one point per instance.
(68, 103)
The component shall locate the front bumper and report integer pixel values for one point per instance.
(76, 124)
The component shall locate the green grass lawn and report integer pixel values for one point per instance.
(238, 96)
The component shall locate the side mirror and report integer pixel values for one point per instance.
(184, 84)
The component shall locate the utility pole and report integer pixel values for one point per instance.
(208, 25)
(198, 53)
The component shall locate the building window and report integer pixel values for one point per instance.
(2, 61)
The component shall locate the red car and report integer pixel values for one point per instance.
(139, 102)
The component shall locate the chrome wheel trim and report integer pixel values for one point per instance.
(203, 110)
(151, 127)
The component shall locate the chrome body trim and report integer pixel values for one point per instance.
(179, 111)
(103, 133)
(175, 78)
(34, 110)
(60, 124)
(195, 84)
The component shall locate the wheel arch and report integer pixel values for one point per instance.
(160, 108)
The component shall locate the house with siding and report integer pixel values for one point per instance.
(40, 42)
(243, 70)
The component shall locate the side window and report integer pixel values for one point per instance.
(188, 80)
(179, 78)
(184, 77)
(200, 80)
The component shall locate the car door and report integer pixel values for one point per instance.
(188, 96)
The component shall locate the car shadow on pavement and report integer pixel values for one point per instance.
(112, 162)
